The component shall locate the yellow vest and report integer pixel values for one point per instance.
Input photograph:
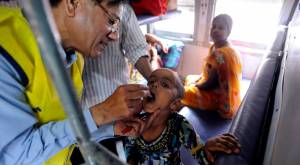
(19, 41)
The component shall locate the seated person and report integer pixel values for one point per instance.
(163, 53)
(155, 60)
(219, 86)
(153, 42)
(162, 138)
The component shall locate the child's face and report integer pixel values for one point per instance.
(163, 88)
(219, 31)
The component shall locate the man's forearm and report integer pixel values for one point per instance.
(144, 67)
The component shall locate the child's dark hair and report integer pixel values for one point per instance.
(180, 88)
(226, 19)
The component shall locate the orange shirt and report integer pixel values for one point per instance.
(226, 97)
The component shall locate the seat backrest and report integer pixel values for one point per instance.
(283, 141)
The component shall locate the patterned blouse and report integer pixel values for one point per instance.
(165, 150)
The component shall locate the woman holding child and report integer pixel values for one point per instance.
(219, 86)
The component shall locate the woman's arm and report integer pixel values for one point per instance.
(211, 83)
(153, 40)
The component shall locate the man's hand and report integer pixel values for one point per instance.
(226, 143)
(125, 102)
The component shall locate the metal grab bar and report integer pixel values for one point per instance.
(38, 13)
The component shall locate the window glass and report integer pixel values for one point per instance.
(254, 21)
(182, 23)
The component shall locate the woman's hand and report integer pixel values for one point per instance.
(153, 40)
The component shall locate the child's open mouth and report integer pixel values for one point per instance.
(144, 115)
(149, 102)
(151, 98)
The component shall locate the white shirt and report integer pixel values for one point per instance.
(108, 71)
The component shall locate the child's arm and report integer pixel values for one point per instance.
(226, 143)
(190, 139)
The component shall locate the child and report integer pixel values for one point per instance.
(153, 41)
(219, 86)
(168, 131)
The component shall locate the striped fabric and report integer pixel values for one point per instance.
(9, 3)
(105, 73)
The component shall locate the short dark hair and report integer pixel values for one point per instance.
(227, 20)
(178, 84)
(54, 3)
(180, 87)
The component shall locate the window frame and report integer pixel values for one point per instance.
(204, 10)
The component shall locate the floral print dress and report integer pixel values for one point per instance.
(165, 150)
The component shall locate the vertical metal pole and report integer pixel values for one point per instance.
(204, 11)
(38, 13)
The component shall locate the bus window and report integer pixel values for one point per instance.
(254, 25)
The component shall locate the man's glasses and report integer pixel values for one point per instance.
(114, 21)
